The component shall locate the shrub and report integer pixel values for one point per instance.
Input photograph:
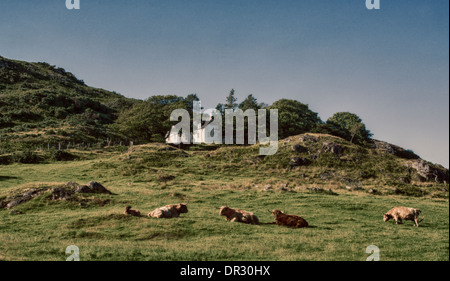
(5, 160)
(60, 155)
(25, 157)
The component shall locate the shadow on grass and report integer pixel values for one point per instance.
(309, 226)
(4, 178)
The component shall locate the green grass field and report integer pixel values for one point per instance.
(342, 225)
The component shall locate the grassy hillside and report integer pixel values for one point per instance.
(54, 129)
(43, 104)
(345, 220)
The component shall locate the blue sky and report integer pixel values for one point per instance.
(389, 66)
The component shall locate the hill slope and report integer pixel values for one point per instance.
(40, 103)
(343, 221)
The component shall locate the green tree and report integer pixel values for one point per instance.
(294, 117)
(149, 120)
(231, 101)
(250, 103)
(351, 123)
(189, 100)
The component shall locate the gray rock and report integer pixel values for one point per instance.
(98, 188)
(30, 193)
(404, 180)
(61, 193)
(430, 172)
(299, 161)
(299, 148)
(331, 147)
(372, 191)
(327, 176)
(14, 203)
(92, 187)
(308, 138)
(72, 184)
(387, 148)
(354, 188)
(83, 189)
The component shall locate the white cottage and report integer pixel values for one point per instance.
(198, 135)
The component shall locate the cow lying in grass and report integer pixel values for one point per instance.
(289, 220)
(404, 213)
(129, 211)
(169, 211)
(236, 215)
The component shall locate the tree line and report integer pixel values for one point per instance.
(149, 121)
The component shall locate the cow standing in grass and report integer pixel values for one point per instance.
(283, 219)
(236, 215)
(403, 213)
(169, 211)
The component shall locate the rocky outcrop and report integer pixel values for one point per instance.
(64, 192)
(299, 161)
(16, 200)
(299, 148)
(61, 193)
(331, 147)
(98, 188)
(91, 187)
(387, 148)
(308, 138)
(430, 172)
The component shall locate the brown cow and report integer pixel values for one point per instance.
(129, 211)
(404, 213)
(289, 220)
(236, 215)
(169, 211)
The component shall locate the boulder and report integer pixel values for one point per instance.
(21, 198)
(354, 188)
(308, 138)
(331, 147)
(98, 188)
(299, 161)
(30, 193)
(14, 203)
(72, 184)
(387, 148)
(61, 193)
(430, 172)
(327, 176)
(83, 189)
(299, 148)
(384, 147)
(372, 191)
(404, 180)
